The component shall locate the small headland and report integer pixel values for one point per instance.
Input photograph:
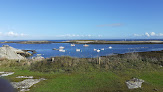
(87, 42)
(29, 42)
(113, 42)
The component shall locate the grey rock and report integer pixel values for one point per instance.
(6, 73)
(26, 84)
(28, 77)
(134, 83)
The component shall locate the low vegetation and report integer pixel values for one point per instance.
(104, 74)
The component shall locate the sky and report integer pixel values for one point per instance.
(80, 19)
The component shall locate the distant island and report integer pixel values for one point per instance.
(87, 42)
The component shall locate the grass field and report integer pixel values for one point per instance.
(68, 74)
(97, 81)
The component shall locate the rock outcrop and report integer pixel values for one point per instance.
(11, 53)
(134, 83)
(28, 77)
(26, 84)
(2, 74)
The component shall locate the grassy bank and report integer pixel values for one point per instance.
(67, 74)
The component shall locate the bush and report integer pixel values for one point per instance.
(118, 62)
(60, 64)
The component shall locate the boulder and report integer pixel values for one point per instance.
(2, 74)
(26, 84)
(134, 83)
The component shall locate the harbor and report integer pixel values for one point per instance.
(83, 50)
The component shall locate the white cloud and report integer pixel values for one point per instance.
(12, 34)
(0, 33)
(147, 34)
(22, 35)
(150, 34)
(160, 34)
(153, 33)
(89, 35)
(137, 35)
(77, 35)
(99, 35)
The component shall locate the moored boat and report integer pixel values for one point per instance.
(61, 50)
(98, 50)
(77, 50)
(72, 44)
(55, 49)
(61, 47)
(110, 47)
(102, 48)
(85, 45)
(95, 49)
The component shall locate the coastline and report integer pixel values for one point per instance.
(86, 42)
(146, 54)
(114, 70)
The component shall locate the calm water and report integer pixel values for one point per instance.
(46, 49)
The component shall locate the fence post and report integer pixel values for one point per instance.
(99, 60)
(52, 59)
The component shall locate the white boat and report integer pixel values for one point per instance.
(72, 44)
(110, 47)
(95, 49)
(98, 50)
(61, 47)
(85, 45)
(55, 49)
(102, 48)
(61, 50)
(77, 50)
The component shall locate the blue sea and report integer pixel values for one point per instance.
(46, 50)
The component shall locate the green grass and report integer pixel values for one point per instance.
(154, 78)
(91, 81)
(67, 74)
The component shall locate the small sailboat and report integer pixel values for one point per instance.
(102, 48)
(61, 50)
(77, 50)
(61, 47)
(72, 44)
(98, 50)
(55, 49)
(85, 45)
(95, 49)
(110, 47)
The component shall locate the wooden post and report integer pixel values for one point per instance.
(52, 59)
(99, 60)
(18, 60)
